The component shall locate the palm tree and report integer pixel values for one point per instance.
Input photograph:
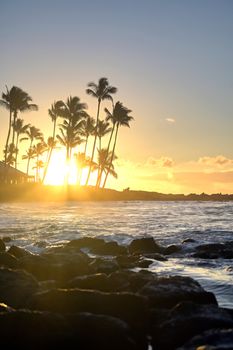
(105, 164)
(39, 149)
(82, 162)
(19, 129)
(39, 165)
(102, 130)
(88, 130)
(11, 154)
(54, 112)
(119, 117)
(51, 145)
(32, 133)
(70, 136)
(15, 100)
(102, 91)
(29, 155)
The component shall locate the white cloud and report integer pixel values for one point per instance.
(170, 120)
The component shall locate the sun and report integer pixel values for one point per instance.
(59, 170)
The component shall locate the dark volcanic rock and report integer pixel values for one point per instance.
(214, 339)
(127, 261)
(187, 320)
(16, 287)
(105, 333)
(166, 292)
(102, 265)
(18, 252)
(60, 267)
(98, 281)
(171, 249)
(109, 248)
(144, 245)
(86, 242)
(24, 329)
(127, 306)
(215, 251)
(2, 246)
(8, 260)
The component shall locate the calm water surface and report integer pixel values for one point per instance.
(36, 226)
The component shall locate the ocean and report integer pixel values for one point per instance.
(37, 226)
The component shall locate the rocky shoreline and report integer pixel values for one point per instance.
(94, 294)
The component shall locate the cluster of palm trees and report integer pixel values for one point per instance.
(76, 127)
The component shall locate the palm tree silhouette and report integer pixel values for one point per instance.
(32, 133)
(82, 162)
(19, 129)
(15, 100)
(39, 149)
(87, 130)
(104, 164)
(103, 128)
(102, 91)
(30, 153)
(54, 112)
(119, 117)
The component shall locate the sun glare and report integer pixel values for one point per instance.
(58, 172)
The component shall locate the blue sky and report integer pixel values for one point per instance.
(170, 59)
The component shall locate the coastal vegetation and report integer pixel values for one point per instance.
(89, 142)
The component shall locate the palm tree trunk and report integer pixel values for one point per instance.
(109, 143)
(50, 153)
(113, 151)
(16, 147)
(29, 158)
(85, 149)
(13, 124)
(93, 150)
(8, 136)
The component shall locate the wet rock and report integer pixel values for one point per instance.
(215, 251)
(24, 329)
(187, 320)
(130, 280)
(6, 239)
(188, 240)
(166, 292)
(97, 281)
(2, 246)
(8, 260)
(171, 249)
(127, 261)
(102, 265)
(105, 332)
(144, 263)
(16, 287)
(59, 267)
(109, 248)
(155, 256)
(86, 242)
(129, 307)
(18, 252)
(214, 339)
(144, 245)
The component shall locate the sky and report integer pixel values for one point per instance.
(171, 61)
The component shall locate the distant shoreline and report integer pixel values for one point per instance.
(38, 192)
